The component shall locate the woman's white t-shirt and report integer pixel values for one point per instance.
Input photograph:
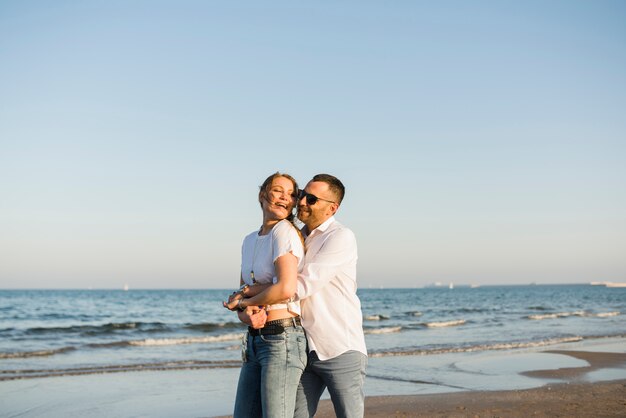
(259, 252)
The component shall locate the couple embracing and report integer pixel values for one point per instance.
(298, 298)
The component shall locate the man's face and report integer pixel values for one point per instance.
(313, 215)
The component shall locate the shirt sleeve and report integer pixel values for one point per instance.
(337, 252)
(286, 240)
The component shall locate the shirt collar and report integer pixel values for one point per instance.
(324, 226)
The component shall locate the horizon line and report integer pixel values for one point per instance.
(368, 287)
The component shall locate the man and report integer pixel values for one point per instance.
(331, 310)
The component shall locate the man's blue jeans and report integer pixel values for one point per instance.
(343, 375)
(270, 374)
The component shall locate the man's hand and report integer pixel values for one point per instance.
(253, 316)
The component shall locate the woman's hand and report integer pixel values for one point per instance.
(233, 301)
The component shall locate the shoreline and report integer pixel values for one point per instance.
(573, 380)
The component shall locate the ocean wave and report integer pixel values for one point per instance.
(444, 323)
(63, 316)
(474, 348)
(130, 343)
(167, 341)
(119, 368)
(39, 353)
(556, 315)
(384, 330)
(469, 310)
(607, 314)
(100, 329)
(375, 317)
(186, 340)
(576, 313)
(477, 310)
(141, 327)
(414, 313)
(212, 326)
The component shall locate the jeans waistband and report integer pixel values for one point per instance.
(275, 327)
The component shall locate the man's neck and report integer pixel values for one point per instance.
(310, 228)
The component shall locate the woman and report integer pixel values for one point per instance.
(274, 356)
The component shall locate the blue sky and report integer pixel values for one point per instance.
(480, 142)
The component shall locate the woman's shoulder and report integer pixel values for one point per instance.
(252, 236)
(286, 238)
(284, 228)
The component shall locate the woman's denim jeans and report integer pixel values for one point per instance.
(270, 374)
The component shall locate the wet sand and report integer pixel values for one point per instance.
(573, 398)
(596, 360)
(588, 400)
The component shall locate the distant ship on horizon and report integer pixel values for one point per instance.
(608, 284)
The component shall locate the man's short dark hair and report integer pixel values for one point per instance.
(334, 184)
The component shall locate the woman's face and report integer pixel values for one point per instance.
(280, 199)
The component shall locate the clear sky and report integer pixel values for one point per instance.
(480, 142)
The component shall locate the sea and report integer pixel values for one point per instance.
(52, 333)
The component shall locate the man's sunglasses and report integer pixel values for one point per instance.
(311, 199)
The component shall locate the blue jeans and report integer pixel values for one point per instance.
(270, 374)
(344, 377)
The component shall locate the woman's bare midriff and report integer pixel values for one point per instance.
(273, 315)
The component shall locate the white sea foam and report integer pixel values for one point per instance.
(476, 348)
(445, 323)
(40, 353)
(607, 314)
(576, 313)
(557, 315)
(385, 330)
(375, 317)
(190, 340)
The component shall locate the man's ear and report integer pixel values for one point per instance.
(334, 208)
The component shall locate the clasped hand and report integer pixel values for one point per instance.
(233, 301)
(253, 316)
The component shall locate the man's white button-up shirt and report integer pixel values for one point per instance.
(331, 310)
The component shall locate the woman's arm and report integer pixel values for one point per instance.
(286, 272)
